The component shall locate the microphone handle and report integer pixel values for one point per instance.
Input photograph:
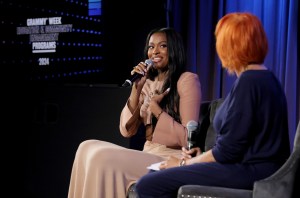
(129, 82)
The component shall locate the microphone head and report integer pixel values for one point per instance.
(149, 62)
(192, 125)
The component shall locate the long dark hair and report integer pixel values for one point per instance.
(176, 66)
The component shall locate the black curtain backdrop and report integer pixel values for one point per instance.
(196, 20)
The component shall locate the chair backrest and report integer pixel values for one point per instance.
(297, 137)
(206, 134)
(296, 150)
(211, 134)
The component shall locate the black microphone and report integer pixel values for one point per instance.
(129, 82)
(192, 127)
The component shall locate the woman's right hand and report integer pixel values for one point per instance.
(137, 85)
(141, 68)
(190, 153)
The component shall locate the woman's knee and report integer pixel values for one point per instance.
(94, 151)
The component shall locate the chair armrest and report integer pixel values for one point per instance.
(282, 182)
(188, 191)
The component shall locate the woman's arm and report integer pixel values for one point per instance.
(130, 116)
(174, 161)
(167, 130)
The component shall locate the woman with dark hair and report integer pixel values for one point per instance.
(163, 100)
(252, 139)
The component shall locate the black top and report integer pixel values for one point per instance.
(252, 122)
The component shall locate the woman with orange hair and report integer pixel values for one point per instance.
(251, 124)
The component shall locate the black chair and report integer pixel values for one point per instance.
(280, 184)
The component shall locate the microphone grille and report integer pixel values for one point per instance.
(192, 125)
(149, 62)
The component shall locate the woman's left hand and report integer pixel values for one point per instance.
(155, 100)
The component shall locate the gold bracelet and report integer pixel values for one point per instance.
(157, 117)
